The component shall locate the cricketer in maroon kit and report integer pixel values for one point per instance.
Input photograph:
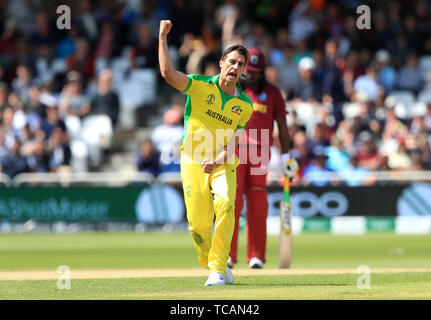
(268, 105)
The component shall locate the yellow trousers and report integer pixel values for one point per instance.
(207, 195)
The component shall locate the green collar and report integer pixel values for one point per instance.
(215, 80)
(224, 96)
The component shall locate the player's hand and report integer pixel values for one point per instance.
(165, 27)
(290, 166)
(209, 165)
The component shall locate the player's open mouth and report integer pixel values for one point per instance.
(231, 75)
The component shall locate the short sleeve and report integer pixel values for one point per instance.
(245, 117)
(192, 84)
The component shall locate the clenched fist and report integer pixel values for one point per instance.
(209, 165)
(165, 27)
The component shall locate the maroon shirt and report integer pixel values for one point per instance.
(268, 106)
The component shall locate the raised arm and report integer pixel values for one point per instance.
(175, 78)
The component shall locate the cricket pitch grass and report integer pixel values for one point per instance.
(156, 265)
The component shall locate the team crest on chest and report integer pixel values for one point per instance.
(210, 99)
(237, 110)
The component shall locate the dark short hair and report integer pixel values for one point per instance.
(237, 47)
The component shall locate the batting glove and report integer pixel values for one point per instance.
(290, 165)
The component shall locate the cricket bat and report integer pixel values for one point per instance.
(285, 253)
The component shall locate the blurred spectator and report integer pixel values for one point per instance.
(13, 163)
(422, 15)
(23, 55)
(126, 12)
(382, 36)
(332, 19)
(22, 11)
(384, 166)
(3, 149)
(52, 120)
(394, 17)
(34, 106)
(368, 155)
(427, 116)
(417, 161)
(105, 45)
(332, 86)
(393, 132)
(106, 101)
(8, 37)
(399, 49)
(82, 60)
(4, 95)
(287, 69)
(9, 134)
(301, 24)
(58, 149)
(86, 20)
(318, 71)
(44, 37)
(144, 52)
(226, 10)
(27, 134)
(167, 140)
(72, 100)
(36, 157)
(399, 159)
(300, 151)
(275, 171)
(338, 157)
(308, 88)
(354, 175)
(326, 121)
(318, 137)
(387, 75)
(411, 31)
(276, 55)
(352, 33)
(22, 83)
(67, 45)
(314, 173)
(293, 124)
(367, 85)
(148, 159)
(342, 42)
(301, 51)
(410, 76)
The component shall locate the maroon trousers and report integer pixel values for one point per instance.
(253, 186)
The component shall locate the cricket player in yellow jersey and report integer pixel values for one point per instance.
(215, 110)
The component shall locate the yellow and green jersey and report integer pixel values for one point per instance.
(211, 117)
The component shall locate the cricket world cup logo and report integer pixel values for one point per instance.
(237, 110)
(210, 99)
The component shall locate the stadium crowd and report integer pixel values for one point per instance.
(358, 100)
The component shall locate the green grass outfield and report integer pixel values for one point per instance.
(321, 267)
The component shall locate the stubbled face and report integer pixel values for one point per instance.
(232, 66)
